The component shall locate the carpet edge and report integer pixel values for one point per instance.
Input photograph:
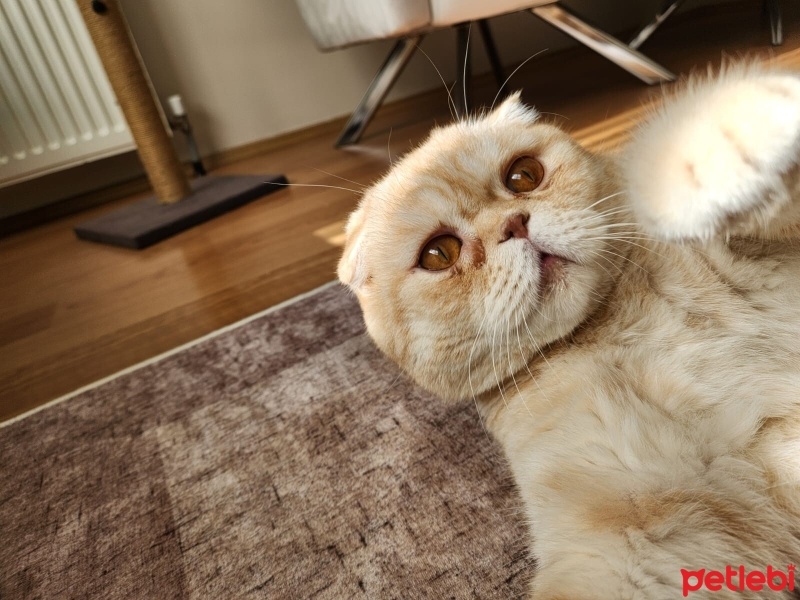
(168, 353)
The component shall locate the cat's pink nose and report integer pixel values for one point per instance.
(515, 227)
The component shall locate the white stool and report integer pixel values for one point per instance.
(340, 23)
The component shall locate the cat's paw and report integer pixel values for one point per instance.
(715, 156)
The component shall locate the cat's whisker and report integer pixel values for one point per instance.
(602, 299)
(622, 238)
(527, 366)
(494, 366)
(628, 235)
(611, 229)
(609, 210)
(522, 64)
(544, 358)
(554, 114)
(623, 258)
(633, 240)
(361, 185)
(319, 185)
(541, 314)
(511, 369)
(464, 75)
(620, 225)
(629, 240)
(614, 195)
(393, 383)
(533, 339)
(616, 266)
(604, 226)
(597, 216)
(522, 353)
(609, 261)
(389, 148)
(600, 220)
(451, 105)
(469, 373)
(633, 235)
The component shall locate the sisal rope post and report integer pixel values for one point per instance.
(111, 36)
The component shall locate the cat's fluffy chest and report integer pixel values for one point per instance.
(623, 438)
(672, 372)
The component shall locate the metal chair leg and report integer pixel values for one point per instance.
(773, 8)
(491, 52)
(380, 86)
(669, 7)
(610, 47)
(462, 87)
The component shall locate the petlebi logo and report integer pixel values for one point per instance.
(738, 579)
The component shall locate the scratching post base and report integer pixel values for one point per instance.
(146, 222)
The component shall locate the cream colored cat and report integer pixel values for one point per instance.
(629, 330)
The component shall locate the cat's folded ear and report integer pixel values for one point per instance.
(513, 109)
(352, 270)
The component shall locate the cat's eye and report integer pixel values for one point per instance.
(524, 175)
(440, 253)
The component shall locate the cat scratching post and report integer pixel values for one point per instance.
(178, 203)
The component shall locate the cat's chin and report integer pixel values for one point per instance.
(553, 264)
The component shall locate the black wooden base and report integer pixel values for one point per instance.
(146, 222)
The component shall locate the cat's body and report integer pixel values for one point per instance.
(666, 436)
(646, 392)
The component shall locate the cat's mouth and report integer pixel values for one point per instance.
(552, 268)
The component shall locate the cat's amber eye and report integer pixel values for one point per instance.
(440, 253)
(524, 175)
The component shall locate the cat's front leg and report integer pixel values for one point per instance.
(720, 158)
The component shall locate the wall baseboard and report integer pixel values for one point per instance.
(139, 184)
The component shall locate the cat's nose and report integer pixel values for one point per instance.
(515, 227)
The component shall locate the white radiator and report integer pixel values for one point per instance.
(57, 108)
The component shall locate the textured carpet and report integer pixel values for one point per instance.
(284, 458)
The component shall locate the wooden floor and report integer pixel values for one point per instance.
(72, 312)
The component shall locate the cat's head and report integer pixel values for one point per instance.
(481, 246)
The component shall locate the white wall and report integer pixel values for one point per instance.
(249, 70)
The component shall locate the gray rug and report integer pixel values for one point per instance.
(284, 458)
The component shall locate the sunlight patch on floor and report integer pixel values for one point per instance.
(333, 233)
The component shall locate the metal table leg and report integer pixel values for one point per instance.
(380, 86)
(669, 7)
(773, 8)
(610, 47)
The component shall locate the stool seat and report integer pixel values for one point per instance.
(337, 24)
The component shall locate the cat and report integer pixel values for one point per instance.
(628, 327)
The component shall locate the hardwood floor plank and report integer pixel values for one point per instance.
(72, 312)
